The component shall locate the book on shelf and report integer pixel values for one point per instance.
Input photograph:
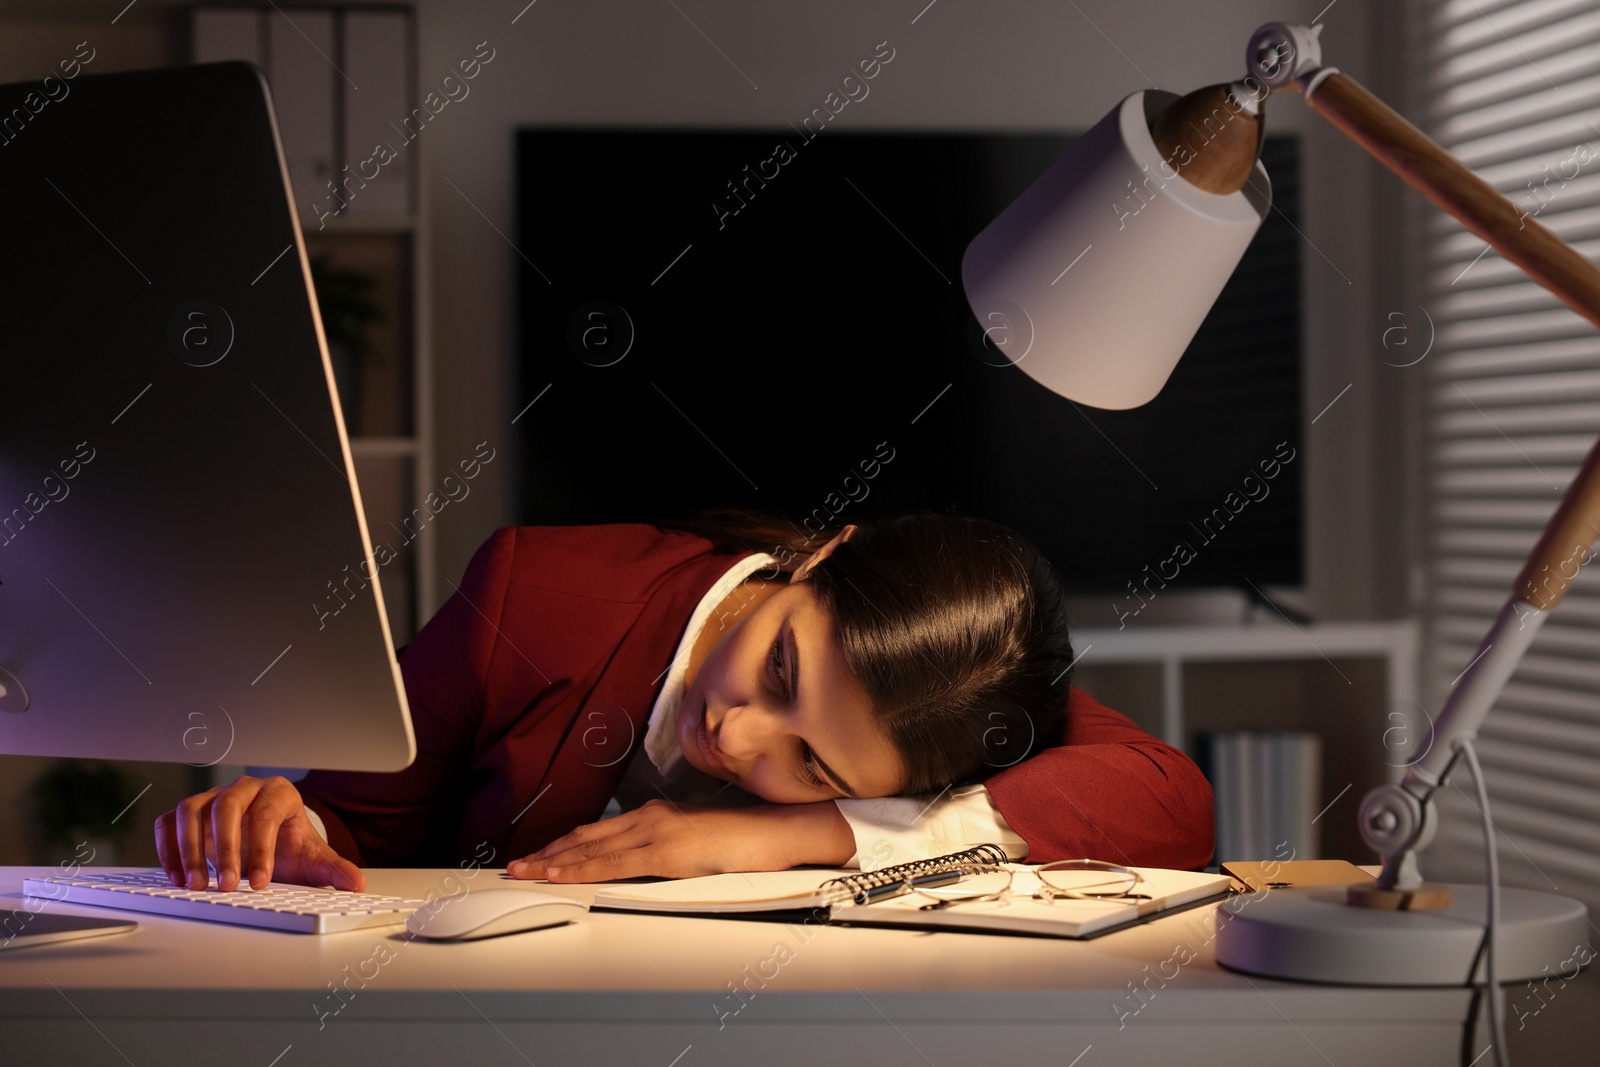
(885, 897)
(1267, 786)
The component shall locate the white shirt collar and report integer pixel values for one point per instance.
(661, 737)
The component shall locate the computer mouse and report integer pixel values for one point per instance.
(488, 912)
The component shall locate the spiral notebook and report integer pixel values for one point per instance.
(878, 898)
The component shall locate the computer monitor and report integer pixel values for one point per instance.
(185, 569)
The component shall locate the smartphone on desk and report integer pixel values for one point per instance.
(1251, 876)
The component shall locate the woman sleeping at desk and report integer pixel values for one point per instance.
(890, 691)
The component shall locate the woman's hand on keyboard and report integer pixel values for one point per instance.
(262, 821)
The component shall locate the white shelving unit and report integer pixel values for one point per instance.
(1171, 648)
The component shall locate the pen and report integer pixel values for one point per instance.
(895, 889)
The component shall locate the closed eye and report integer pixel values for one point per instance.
(808, 767)
(808, 771)
(775, 661)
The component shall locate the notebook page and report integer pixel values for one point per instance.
(750, 891)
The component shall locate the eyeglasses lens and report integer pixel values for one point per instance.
(1087, 881)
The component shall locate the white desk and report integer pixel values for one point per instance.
(630, 989)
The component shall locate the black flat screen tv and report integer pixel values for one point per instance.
(709, 318)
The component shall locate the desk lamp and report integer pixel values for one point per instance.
(1094, 281)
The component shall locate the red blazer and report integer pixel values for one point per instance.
(531, 687)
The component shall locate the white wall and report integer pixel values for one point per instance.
(1022, 65)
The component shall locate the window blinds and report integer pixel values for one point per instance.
(1511, 405)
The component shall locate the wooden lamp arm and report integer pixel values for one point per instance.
(1567, 542)
(1450, 184)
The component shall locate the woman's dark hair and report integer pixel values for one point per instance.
(955, 626)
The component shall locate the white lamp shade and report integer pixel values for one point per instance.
(1096, 278)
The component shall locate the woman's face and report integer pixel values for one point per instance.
(775, 710)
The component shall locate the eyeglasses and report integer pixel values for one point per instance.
(1062, 880)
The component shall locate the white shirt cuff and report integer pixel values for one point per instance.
(316, 824)
(890, 830)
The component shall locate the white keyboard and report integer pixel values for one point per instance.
(277, 907)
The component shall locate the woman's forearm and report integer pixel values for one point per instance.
(684, 840)
(815, 833)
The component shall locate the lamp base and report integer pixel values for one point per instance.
(1312, 935)
(1429, 896)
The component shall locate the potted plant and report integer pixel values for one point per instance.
(344, 299)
